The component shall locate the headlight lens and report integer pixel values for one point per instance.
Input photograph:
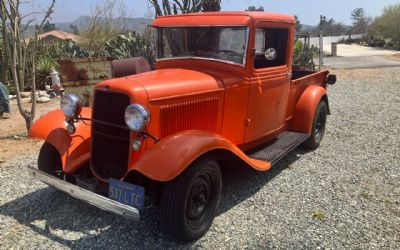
(71, 106)
(137, 117)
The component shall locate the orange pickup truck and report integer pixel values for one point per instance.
(224, 91)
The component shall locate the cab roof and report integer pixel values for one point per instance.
(244, 18)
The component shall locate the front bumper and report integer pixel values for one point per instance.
(99, 201)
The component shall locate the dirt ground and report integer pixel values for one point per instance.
(13, 132)
(353, 50)
(396, 56)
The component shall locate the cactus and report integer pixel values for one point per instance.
(303, 57)
(130, 45)
(211, 5)
(185, 6)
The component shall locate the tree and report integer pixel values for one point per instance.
(106, 22)
(360, 21)
(254, 8)
(10, 17)
(74, 29)
(298, 24)
(330, 28)
(387, 25)
(48, 27)
(164, 7)
(357, 15)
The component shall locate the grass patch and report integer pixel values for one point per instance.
(318, 215)
(365, 195)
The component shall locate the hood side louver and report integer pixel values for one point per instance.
(199, 114)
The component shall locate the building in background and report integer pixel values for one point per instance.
(56, 36)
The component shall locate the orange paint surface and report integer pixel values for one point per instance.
(201, 105)
(74, 150)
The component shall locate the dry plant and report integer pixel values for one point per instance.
(15, 46)
(106, 22)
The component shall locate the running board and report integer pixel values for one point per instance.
(282, 146)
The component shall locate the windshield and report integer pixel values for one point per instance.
(219, 43)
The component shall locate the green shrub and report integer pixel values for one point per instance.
(376, 42)
(395, 45)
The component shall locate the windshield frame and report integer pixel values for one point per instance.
(243, 65)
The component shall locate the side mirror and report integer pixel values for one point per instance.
(331, 79)
(271, 54)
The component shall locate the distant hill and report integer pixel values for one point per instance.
(307, 28)
(134, 24)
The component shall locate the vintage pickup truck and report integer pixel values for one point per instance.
(224, 91)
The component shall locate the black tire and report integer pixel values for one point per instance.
(189, 202)
(318, 129)
(49, 160)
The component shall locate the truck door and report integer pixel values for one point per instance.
(270, 81)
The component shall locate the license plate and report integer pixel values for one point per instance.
(126, 193)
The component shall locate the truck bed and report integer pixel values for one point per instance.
(309, 76)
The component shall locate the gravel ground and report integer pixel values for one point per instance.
(344, 195)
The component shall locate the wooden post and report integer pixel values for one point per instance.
(321, 50)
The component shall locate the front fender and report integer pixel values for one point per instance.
(172, 155)
(303, 116)
(74, 149)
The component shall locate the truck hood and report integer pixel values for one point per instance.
(165, 83)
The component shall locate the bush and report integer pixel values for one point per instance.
(376, 42)
(394, 45)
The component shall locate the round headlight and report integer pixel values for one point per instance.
(136, 117)
(71, 106)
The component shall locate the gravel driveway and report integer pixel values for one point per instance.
(344, 195)
(361, 62)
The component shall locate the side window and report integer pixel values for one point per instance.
(271, 47)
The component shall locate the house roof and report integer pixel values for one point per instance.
(221, 18)
(62, 35)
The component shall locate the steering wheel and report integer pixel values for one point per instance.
(271, 54)
(226, 51)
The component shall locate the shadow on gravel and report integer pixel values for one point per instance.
(241, 182)
(53, 214)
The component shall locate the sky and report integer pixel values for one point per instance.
(308, 10)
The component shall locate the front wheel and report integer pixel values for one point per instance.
(49, 160)
(189, 202)
(318, 129)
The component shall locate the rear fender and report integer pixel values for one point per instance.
(74, 149)
(303, 116)
(172, 155)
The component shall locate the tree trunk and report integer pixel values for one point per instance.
(3, 72)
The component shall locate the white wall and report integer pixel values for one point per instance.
(314, 41)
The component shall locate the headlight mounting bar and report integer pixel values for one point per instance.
(142, 133)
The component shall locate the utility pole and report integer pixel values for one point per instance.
(321, 41)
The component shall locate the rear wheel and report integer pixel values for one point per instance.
(318, 129)
(189, 202)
